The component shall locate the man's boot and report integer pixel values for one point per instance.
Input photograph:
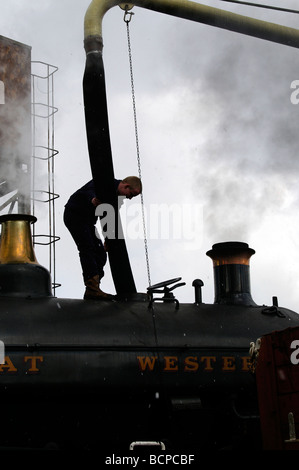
(93, 290)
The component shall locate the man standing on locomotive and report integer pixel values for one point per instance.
(80, 220)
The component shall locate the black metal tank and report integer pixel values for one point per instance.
(146, 369)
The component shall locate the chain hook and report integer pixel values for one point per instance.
(128, 14)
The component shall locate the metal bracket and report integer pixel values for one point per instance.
(161, 288)
(147, 444)
(127, 7)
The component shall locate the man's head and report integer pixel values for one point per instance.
(130, 187)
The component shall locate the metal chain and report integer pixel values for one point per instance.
(127, 19)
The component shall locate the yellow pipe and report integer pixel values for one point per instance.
(194, 12)
(94, 16)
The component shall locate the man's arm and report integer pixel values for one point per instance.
(95, 201)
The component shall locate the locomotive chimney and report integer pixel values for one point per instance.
(231, 273)
(20, 273)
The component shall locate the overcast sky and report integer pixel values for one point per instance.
(218, 137)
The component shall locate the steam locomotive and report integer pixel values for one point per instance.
(97, 375)
(144, 369)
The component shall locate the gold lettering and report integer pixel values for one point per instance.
(191, 363)
(146, 361)
(33, 359)
(8, 365)
(207, 360)
(228, 363)
(245, 363)
(170, 363)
